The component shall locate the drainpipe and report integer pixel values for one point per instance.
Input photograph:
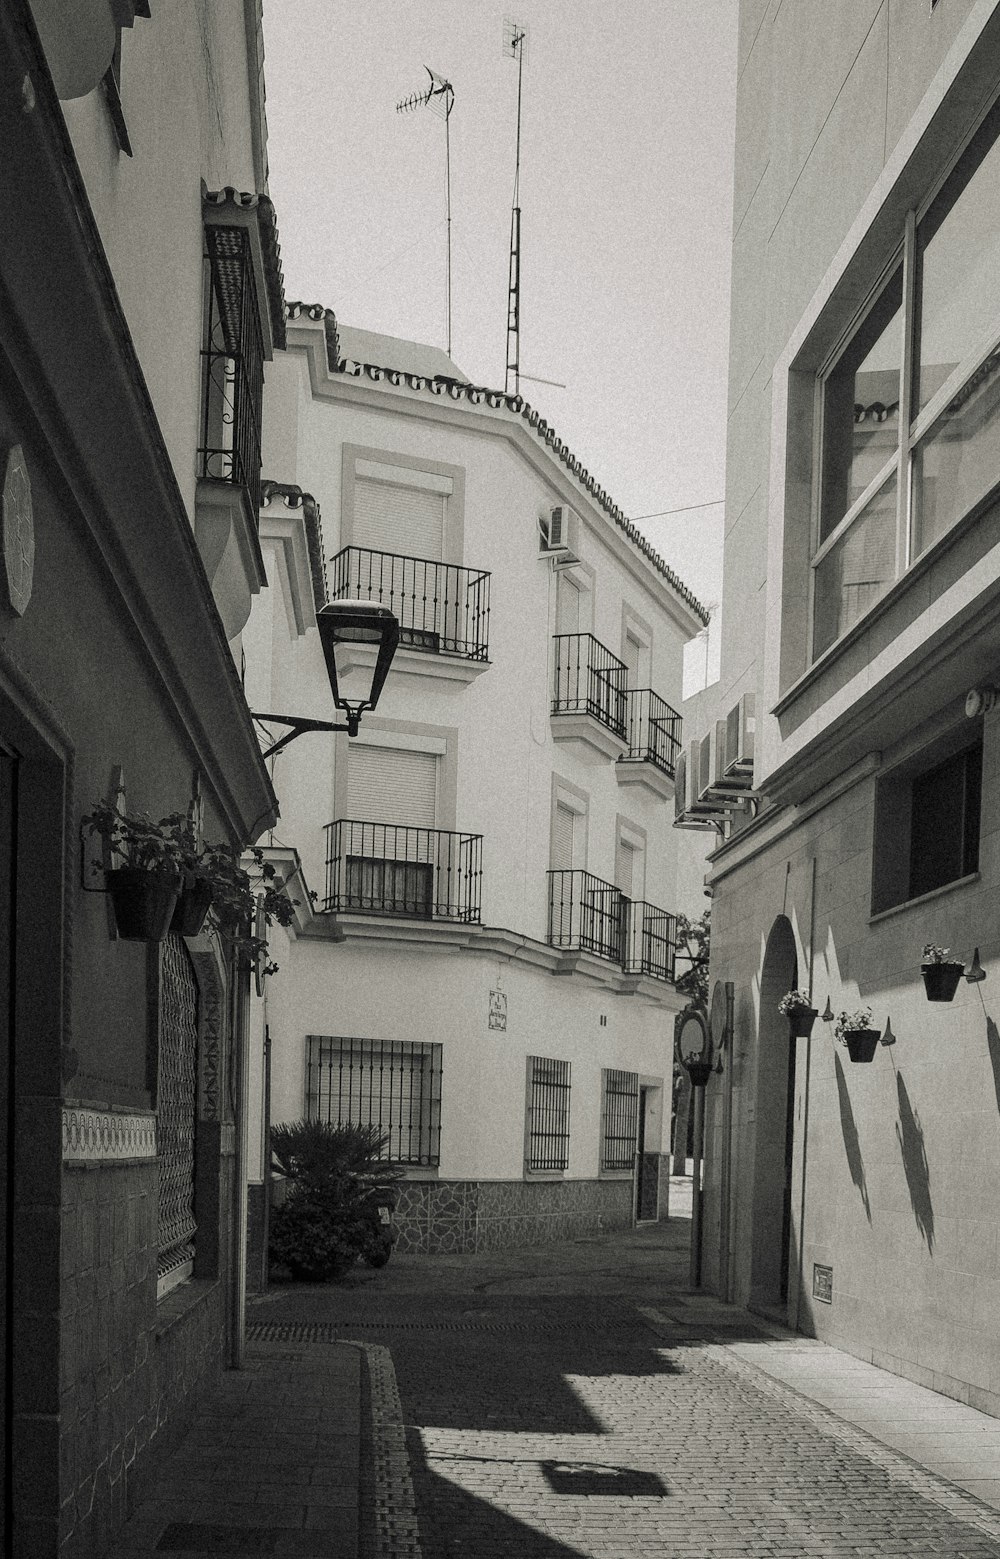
(725, 1198)
(238, 1285)
(805, 1101)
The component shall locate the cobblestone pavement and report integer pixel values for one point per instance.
(552, 1409)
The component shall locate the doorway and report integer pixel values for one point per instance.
(771, 1199)
(647, 1173)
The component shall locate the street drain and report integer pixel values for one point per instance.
(334, 1331)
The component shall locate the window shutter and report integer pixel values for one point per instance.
(563, 832)
(567, 605)
(406, 520)
(625, 863)
(390, 785)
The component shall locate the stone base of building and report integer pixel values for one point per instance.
(458, 1216)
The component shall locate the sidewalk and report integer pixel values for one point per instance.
(302, 1453)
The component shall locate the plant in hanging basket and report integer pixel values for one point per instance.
(854, 1031)
(145, 883)
(941, 974)
(801, 1014)
(237, 891)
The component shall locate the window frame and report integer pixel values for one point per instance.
(892, 838)
(912, 430)
(362, 1055)
(560, 1081)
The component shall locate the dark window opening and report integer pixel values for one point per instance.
(548, 1114)
(944, 828)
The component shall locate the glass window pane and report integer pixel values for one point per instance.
(958, 248)
(955, 465)
(861, 407)
(857, 571)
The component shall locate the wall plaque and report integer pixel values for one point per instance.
(498, 1011)
(18, 526)
(823, 1284)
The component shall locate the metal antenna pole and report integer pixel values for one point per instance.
(514, 35)
(439, 97)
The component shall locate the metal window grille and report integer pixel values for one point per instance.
(232, 363)
(440, 606)
(418, 873)
(654, 730)
(620, 1119)
(589, 680)
(392, 1084)
(548, 1113)
(176, 1106)
(651, 944)
(589, 915)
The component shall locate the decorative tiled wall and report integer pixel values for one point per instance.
(478, 1215)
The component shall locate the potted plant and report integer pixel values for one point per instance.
(241, 900)
(801, 1015)
(854, 1029)
(941, 973)
(335, 1177)
(145, 886)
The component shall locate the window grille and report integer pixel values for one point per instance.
(548, 1114)
(176, 1108)
(620, 1119)
(392, 1084)
(232, 363)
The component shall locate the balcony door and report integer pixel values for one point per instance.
(391, 851)
(407, 520)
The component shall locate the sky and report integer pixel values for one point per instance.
(626, 199)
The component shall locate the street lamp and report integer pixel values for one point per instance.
(343, 626)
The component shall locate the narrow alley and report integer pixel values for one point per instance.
(573, 1401)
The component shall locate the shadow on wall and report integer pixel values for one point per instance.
(993, 1046)
(910, 1136)
(852, 1145)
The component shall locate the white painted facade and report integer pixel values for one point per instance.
(476, 750)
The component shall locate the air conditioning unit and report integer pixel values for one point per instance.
(559, 531)
(690, 811)
(740, 731)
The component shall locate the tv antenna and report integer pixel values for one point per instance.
(514, 37)
(439, 97)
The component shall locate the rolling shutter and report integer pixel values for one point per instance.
(407, 520)
(389, 785)
(563, 838)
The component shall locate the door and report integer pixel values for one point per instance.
(647, 1189)
(404, 528)
(391, 849)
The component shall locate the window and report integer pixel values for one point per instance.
(547, 1146)
(392, 1084)
(232, 364)
(619, 1119)
(390, 868)
(910, 417)
(927, 820)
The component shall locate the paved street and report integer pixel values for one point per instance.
(580, 1401)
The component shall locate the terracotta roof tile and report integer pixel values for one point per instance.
(294, 498)
(270, 247)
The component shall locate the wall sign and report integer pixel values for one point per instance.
(498, 1011)
(823, 1284)
(18, 526)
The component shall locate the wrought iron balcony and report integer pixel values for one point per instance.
(589, 680)
(654, 730)
(589, 915)
(441, 607)
(413, 873)
(232, 365)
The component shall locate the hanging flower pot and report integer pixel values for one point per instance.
(861, 1043)
(795, 1006)
(143, 902)
(193, 904)
(941, 973)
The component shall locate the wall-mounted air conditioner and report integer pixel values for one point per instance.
(689, 810)
(558, 532)
(741, 728)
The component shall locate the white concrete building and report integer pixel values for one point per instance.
(489, 968)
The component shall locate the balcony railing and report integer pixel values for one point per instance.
(413, 873)
(654, 730)
(232, 364)
(587, 914)
(589, 680)
(441, 607)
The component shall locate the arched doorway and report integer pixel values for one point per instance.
(775, 1097)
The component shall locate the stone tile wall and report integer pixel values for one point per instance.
(470, 1215)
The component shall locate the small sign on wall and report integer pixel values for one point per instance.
(823, 1284)
(498, 1011)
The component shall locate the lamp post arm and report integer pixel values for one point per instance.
(299, 726)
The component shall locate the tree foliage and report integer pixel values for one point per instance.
(694, 937)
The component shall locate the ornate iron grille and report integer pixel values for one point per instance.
(232, 363)
(589, 680)
(654, 730)
(440, 606)
(651, 943)
(548, 1113)
(391, 1084)
(620, 1120)
(389, 869)
(176, 1107)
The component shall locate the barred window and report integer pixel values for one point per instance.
(619, 1118)
(392, 1084)
(548, 1114)
(232, 363)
